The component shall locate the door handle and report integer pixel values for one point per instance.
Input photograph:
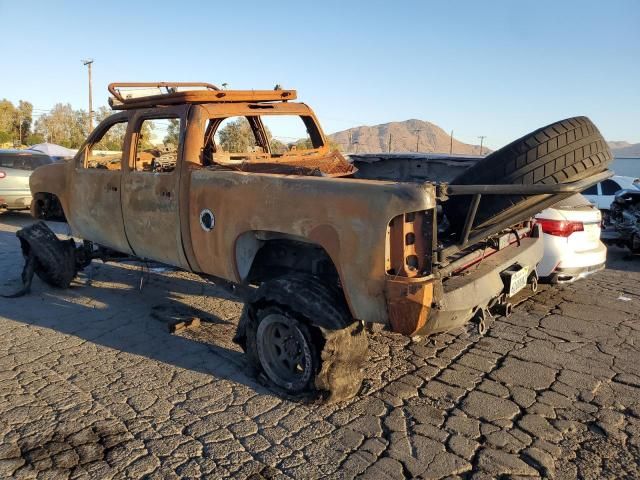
(111, 188)
(165, 193)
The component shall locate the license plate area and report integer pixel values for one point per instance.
(592, 231)
(515, 279)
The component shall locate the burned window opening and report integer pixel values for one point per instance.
(250, 143)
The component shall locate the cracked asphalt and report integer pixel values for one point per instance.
(93, 385)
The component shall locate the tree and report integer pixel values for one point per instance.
(15, 122)
(34, 138)
(22, 120)
(63, 125)
(114, 138)
(7, 114)
(276, 146)
(236, 136)
(173, 132)
(303, 144)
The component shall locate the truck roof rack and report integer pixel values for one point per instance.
(136, 95)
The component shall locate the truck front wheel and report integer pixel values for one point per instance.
(299, 334)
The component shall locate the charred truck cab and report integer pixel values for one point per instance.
(194, 176)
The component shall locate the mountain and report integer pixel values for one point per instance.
(404, 137)
(624, 149)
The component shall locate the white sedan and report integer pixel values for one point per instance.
(603, 193)
(572, 246)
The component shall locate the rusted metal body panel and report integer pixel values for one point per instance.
(409, 301)
(150, 200)
(347, 218)
(96, 208)
(53, 178)
(157, 215)
(94, 195)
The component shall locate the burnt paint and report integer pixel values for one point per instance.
(345, 216)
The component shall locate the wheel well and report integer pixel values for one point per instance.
(45, 195)
(50, 202)
(263, 257)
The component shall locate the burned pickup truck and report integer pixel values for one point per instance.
(320, 246)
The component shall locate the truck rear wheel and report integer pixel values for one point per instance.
(299, 334)
(564, 151)
(285, 349)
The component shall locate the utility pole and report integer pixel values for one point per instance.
(389, 145)
(87, 63)
(350, 139)
(481, 137)
(417, 132)
(451, 144)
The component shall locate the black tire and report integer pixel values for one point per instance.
(338, 343)
(38, 207)
(46, 206)
(564, 151)
(55, 258)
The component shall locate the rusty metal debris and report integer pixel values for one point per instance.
(177, 327)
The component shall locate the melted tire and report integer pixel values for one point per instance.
(565, 151)
(340, 344)
(45, 206)
(55, 260)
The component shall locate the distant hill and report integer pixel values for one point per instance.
(405, 136)
(624, 149)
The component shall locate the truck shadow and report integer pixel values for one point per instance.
(111, 310)
(114, 313)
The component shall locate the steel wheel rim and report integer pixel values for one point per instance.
(284, 351)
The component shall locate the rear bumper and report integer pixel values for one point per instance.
(15, 199)
(560, 255)
(423, 307)
(567, 265)
(567, 275)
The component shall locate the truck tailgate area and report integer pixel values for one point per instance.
(478, 285)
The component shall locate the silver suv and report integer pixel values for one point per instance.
(16, 167)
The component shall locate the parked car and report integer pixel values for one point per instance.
(318, 246)
(16, 167)
(572, 246)
(603, 194)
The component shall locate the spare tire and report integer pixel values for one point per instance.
(564, 151)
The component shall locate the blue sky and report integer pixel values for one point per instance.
(494, 68)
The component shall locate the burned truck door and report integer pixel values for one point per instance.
(96, 185)
(150, 185)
